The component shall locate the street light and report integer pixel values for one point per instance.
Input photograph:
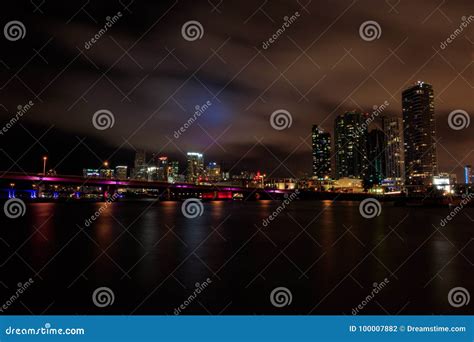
(106, 163)
(45, 158)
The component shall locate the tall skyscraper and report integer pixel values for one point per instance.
(467, 174)
(350, 144)
(321, 145)
(140, 166)
(394, 149)
(173, 171)
(376, 157)
(195, 167)
(419, 134)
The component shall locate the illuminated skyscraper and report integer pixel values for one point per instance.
(213, 172)
(419, 134)
(350, 144)
(467, 174)
(321, 146)
(394, 149)
(376, 157)
(173, 171)
(195, 167)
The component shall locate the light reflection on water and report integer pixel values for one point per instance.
(309, 247)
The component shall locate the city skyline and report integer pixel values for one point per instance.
(152, 93)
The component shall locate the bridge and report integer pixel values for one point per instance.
(14, 184)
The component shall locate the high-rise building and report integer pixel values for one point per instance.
(419, 134)
(213, 172)
(195, 167)
(140, 166)
(172, 171)
(394, 149)
(158, 169)
(376, 158)
(321, 145)
(350, 145)
(467, 174)
(121, 172)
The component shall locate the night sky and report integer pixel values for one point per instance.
(144, 72)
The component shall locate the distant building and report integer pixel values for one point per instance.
(158, 168)
(467, 174)
(140, 169)
(106, 173)
(213, 172)
(90, 173)
(195, 167)
(172, 172)
(350, 145)
(376, 158)
(348, 185)
(321, 146)
(121, 172)
(419, 134)
(394, 148)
